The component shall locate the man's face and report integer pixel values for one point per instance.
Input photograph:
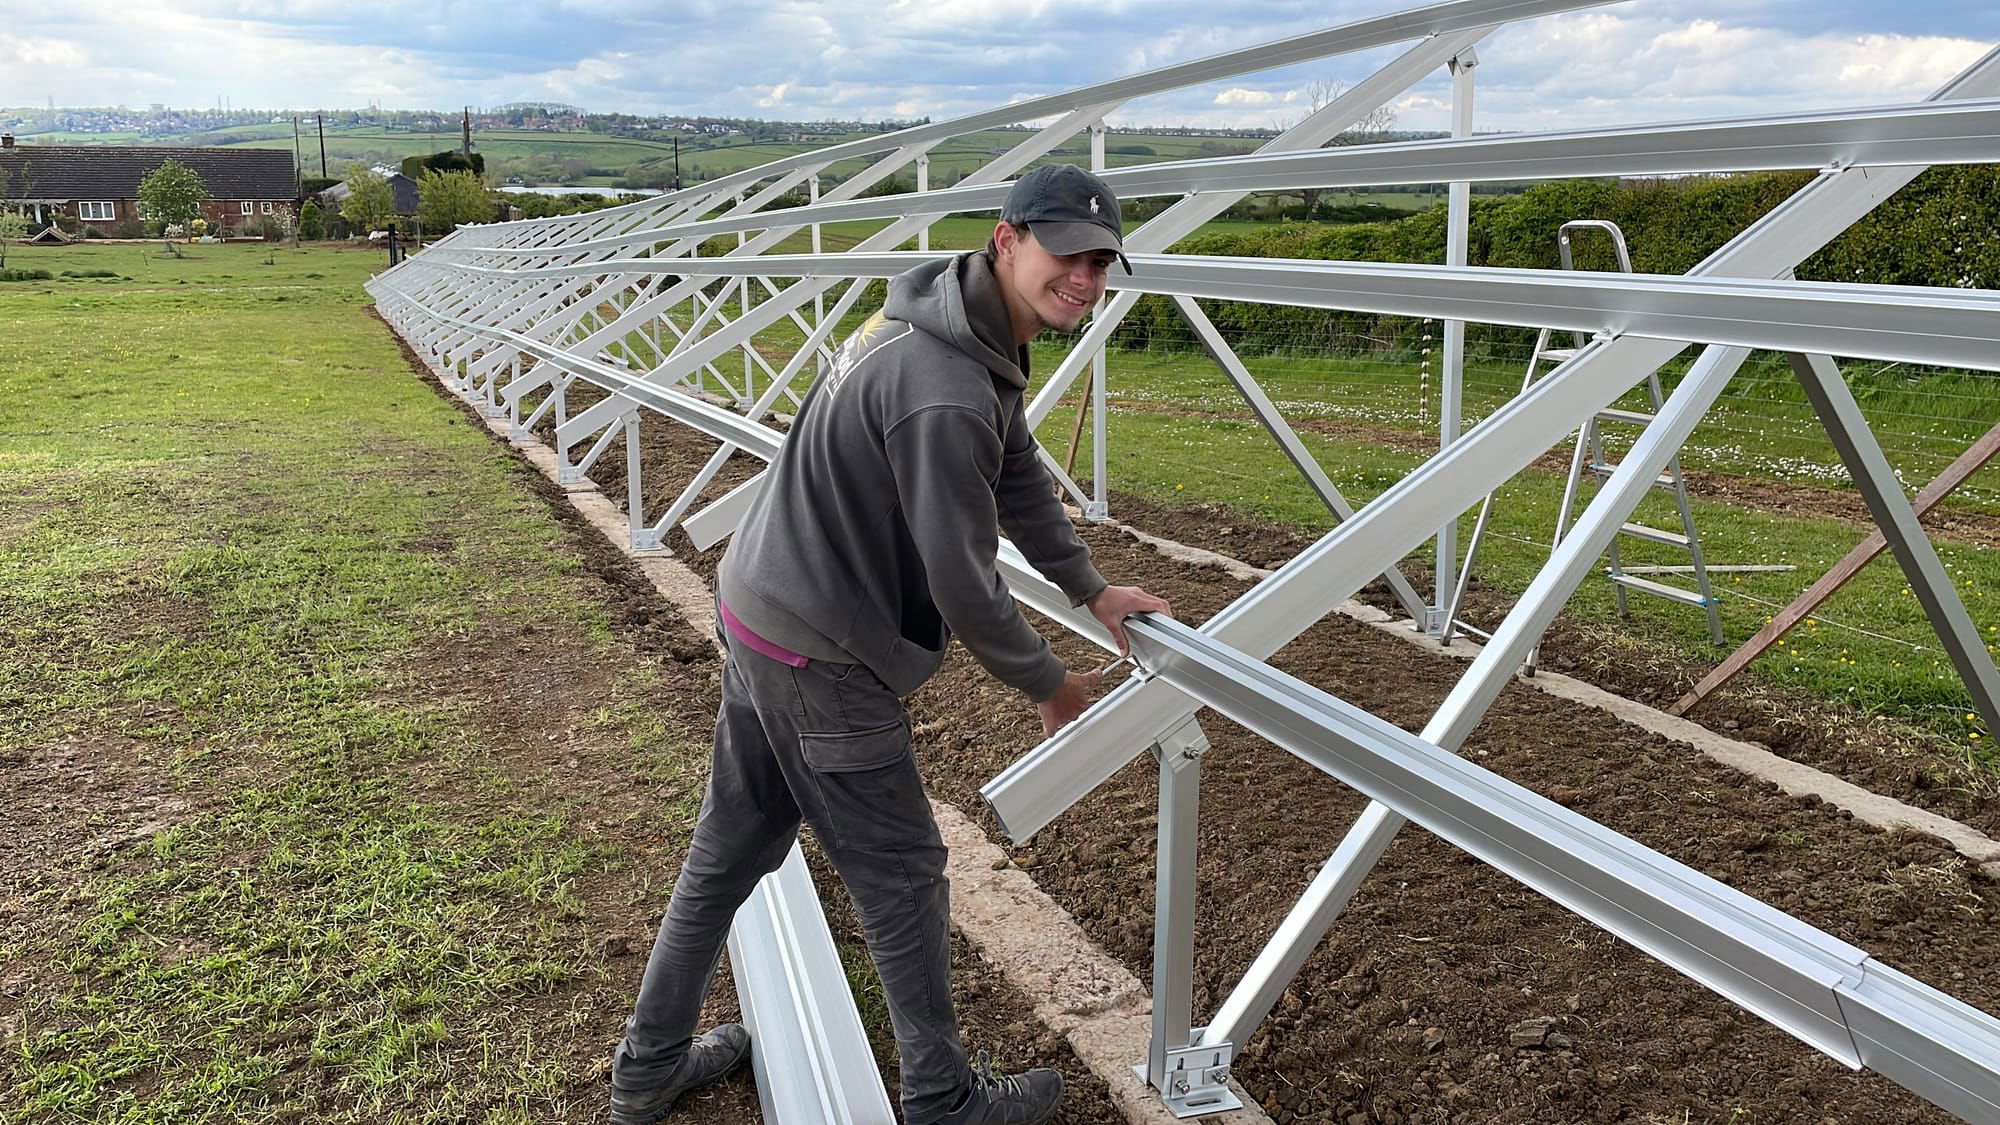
(1057, 291)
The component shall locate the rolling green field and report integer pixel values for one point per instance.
(700, 156)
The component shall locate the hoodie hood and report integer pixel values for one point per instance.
(958, 300)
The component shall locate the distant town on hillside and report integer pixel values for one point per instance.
(159, 123)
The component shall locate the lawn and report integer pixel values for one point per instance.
(275, 850)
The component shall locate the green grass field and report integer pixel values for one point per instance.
(252, 569)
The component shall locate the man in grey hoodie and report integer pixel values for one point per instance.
(872, 542)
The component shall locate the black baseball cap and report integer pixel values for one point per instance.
(1068, 210)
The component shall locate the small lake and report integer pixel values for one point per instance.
(607, 192)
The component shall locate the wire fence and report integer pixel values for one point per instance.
(1761, 427)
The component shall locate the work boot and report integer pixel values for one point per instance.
(711, 1056)
(1017, 1099)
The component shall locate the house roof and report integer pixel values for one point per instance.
(67, 172)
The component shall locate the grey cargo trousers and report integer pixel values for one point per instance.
(828, 743)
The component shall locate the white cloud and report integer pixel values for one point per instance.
(1667, 59)
(1237, 95)
(41, 52)
(1612, 67)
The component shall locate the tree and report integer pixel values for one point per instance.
(450, 160)
(171, 194)
(312, 225)
(1369, 128)
(13, 228)
(446, 199)
(370, 202)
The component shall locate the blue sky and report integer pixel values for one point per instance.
(1640, 60)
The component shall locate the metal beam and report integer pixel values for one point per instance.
(1360, 35)
(1295, 451)
(1822, 990)
(812, 1059)
(1916, 133)
(1907, 323)
(1048, 779)
(1876, 480)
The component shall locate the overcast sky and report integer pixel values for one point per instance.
(1640, 60)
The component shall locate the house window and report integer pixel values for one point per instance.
(246, 207)
(96, 212)
(266, 207)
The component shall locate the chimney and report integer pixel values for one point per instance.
(6, 140)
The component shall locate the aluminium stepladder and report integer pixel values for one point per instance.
(1589, 457)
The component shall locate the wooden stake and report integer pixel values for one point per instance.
(1968, 463)
(1076, 431)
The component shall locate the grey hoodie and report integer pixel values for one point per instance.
(873, 539)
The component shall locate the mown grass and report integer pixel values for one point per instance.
(234, 534)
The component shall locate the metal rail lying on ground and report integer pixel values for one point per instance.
(521, 310)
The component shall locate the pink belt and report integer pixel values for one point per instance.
(742, 632)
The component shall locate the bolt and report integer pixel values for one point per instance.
(1181, 1086)
(1218, 1074)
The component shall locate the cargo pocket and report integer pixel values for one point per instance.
(869, 785)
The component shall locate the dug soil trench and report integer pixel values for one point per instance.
(1447, 992)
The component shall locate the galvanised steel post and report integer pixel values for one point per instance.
(1191, 1077)
(1099, 507)
(819, 299)
(1451, 376)
(924, 185)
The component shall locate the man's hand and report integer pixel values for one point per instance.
(1113, 604)
(1067, 703)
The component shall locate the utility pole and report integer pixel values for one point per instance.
(298, 183)
(321, 118)
(677, 164)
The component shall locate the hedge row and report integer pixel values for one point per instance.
(1939, 230)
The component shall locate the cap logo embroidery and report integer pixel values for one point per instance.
(1093, 205)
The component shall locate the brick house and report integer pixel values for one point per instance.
(99, 184)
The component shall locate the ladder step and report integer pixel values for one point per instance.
(1659, 589)
(1604, 470)
(1654, 535)
(1633, 416)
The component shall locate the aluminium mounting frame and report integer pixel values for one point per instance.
(1824, 993)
